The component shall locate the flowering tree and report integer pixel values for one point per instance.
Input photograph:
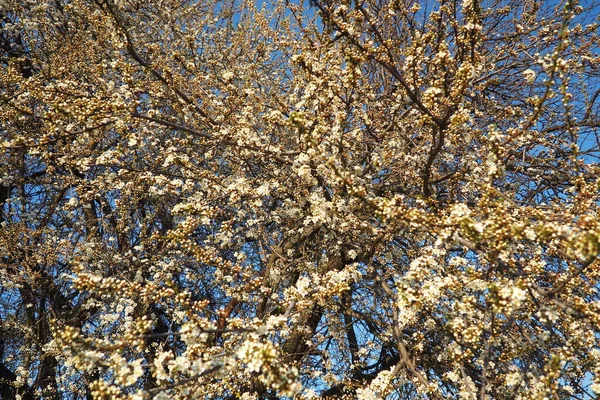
(241, 199)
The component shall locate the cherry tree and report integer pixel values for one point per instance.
(327, 199)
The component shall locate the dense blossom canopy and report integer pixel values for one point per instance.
(248, 199)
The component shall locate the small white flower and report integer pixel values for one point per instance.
(513, 378)
(227, 75)
(530, 234)
(518, 296)
(159, 363)
(352, 254)
(478, 227)
(460, 210)
(263, 190)
(162, 396)
(530, 75)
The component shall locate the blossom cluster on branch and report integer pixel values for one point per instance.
(329, 199)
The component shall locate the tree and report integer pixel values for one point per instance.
(239, 199)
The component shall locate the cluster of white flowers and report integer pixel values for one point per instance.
(126, 372)
(513, 295)
(379, 388)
